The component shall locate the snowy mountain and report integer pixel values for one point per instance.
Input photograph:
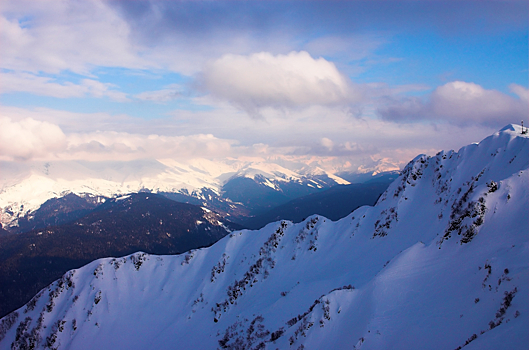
(57, 211)
(440, 262)
(24, 187)
(333, 203)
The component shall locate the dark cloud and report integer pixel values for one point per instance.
(158, 20)
(155, 20)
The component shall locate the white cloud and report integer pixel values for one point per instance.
(282, 81)
(520, 91)
(25, 138)
(461, 103)
(170, 93)
(45, 86)
(25, 82)
(126, 146)
(327, 143)
(72, 122)
(97, 89)
(54, 36)
(29, 138)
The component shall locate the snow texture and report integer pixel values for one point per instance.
(440, 262)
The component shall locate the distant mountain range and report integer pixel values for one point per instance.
(258, 186)
(333, 203)
(235, 189)
(440, 262)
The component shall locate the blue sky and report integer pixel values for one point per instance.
(352, 84)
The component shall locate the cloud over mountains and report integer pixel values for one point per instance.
(280, 81)
(29, 138)
(461, 103)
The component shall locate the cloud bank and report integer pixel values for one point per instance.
(461, 103)
(341, 145)
(29, 138)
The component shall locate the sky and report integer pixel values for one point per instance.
(345, 85)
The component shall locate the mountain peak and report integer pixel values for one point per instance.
(516, 129)
(509, 127)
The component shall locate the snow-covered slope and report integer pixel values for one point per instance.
(440, 262)
(24, 187)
